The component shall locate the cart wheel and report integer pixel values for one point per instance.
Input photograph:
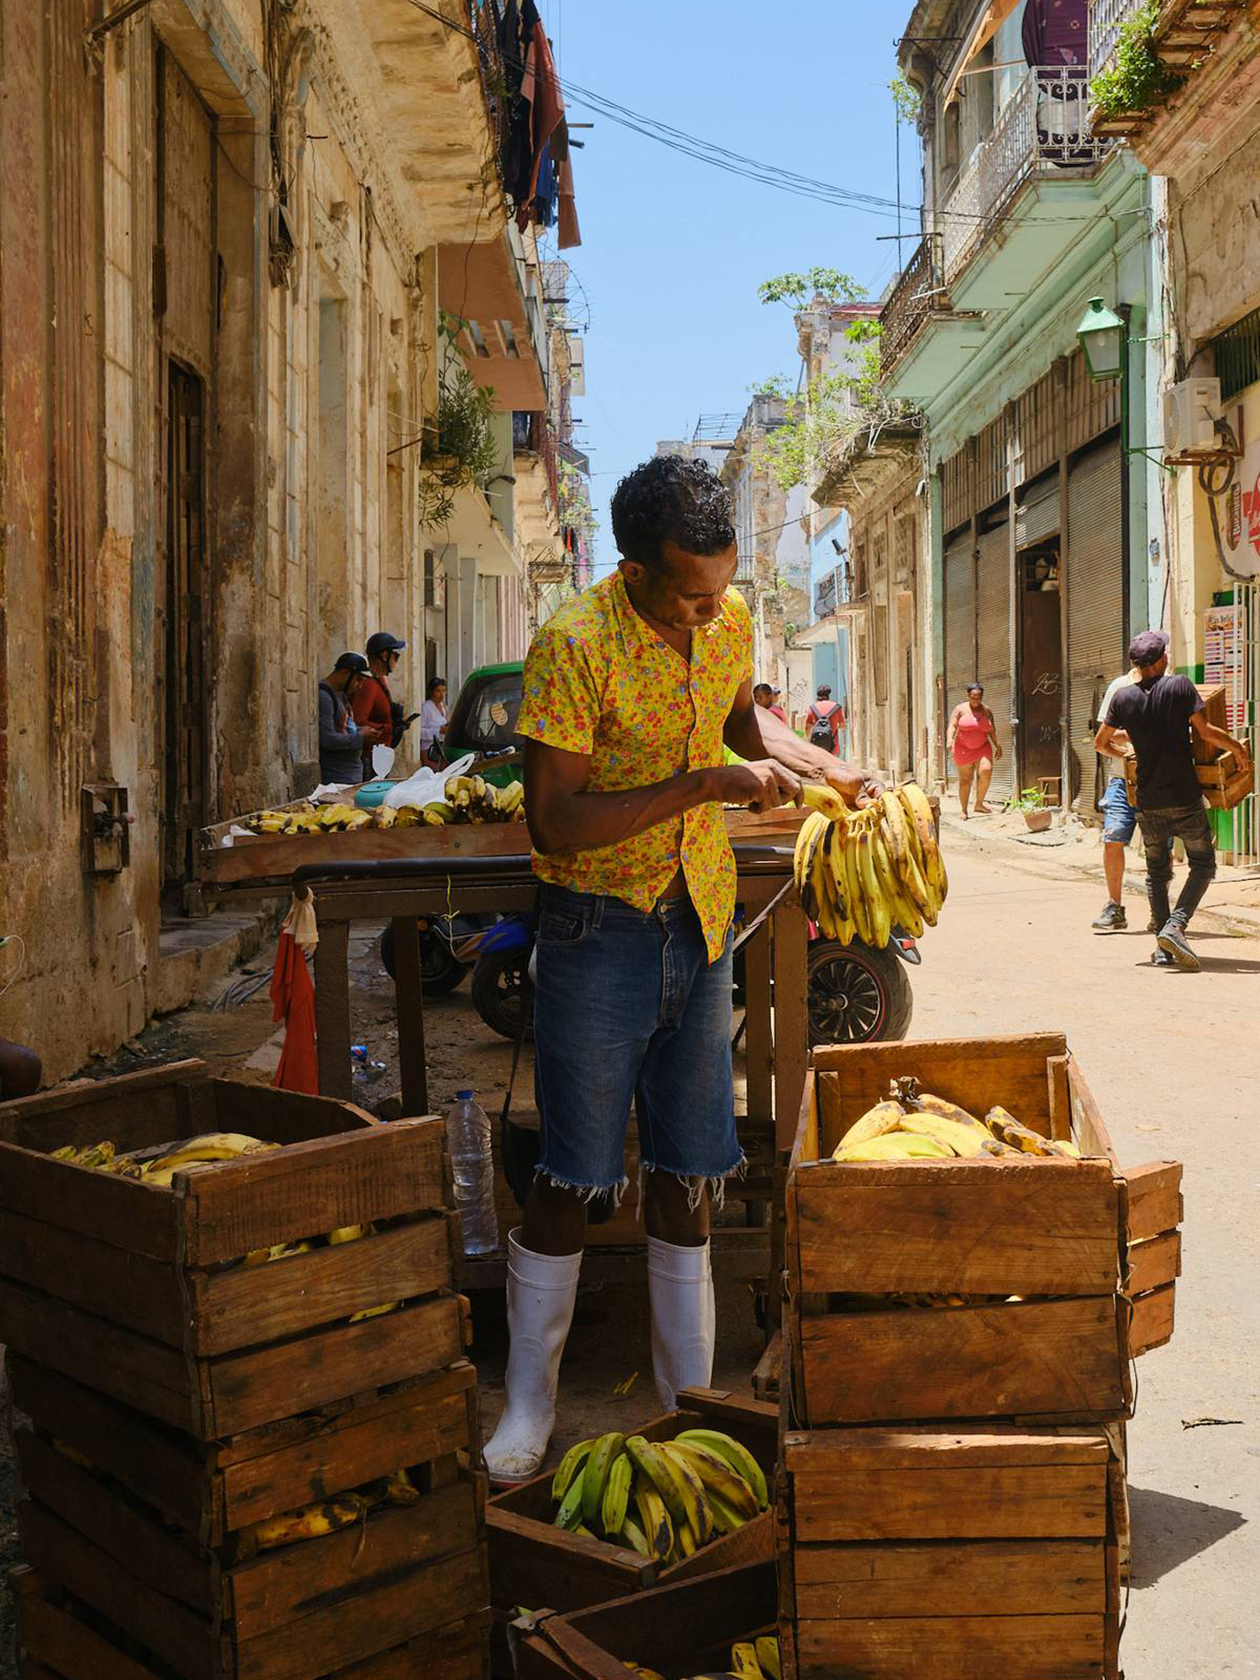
(857, 995)
(440, 972)
(498, 990)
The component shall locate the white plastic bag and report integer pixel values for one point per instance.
(382, 761)
(427, 786)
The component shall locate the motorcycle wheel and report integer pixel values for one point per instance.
(498, 987)
(440, 972)
(857, 995)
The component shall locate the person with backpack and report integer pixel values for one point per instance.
(824, 720)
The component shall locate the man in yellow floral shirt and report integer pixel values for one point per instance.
(631, 693)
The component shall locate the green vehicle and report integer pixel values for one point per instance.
(484, 718)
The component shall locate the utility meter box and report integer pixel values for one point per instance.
(1191, 410)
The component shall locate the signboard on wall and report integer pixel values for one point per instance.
(1224, 652)
(1238, 514)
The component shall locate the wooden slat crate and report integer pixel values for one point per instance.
(60, 1638)
(684, 1629)
(166, 1550)
(534, 1563)
(1052, 1232)
(137, 1291)
(919, 1554)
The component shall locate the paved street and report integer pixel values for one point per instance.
(1173, 1061)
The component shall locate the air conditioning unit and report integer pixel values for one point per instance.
(1191, 411)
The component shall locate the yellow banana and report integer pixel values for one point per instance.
(769, 1658)
(612, 1510)
(876, 904)
(736, 1455)
(825, 800)
(374, 1312)
(633, 1536)
(699, 1511)
(687, 1543)
(886, 1116)
(897, 1146)
(310, 1522)
(925, 1102)
(834, 859)
(719, 1478)
(858, 907)
(920, 812)
(663, 1475)
(1008, 1129)
(885, 874)
(569, 1466)
(959, 1139)
(595, 1476)
(101, 1154)
(744, 1664)
(348, 1233)
(401, 1490)
(386, 816)
(654, 1518)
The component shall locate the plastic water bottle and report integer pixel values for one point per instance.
(468, 1139)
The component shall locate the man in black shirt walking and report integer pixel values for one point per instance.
(1157, 714)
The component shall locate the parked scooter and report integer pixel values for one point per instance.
(441, 968)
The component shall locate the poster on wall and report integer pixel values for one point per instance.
(1240, 516)
(1224, 651)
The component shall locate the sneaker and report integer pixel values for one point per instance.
(1173, 940)
(1112, 920)
(1161, 959)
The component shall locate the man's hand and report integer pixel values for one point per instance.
(854, 787)
(760, 786)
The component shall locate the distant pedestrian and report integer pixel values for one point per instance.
(1119, 819)
(768, 699)
(824, 720)
(341, 741)
(1158, 713)
(433, 721)
(972, 739)
(373, 702)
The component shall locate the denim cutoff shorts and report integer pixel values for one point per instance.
(1119, 817)
(628, 1008)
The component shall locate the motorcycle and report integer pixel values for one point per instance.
(857, 994)
(442, 970)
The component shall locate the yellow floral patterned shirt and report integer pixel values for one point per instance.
(599, 681)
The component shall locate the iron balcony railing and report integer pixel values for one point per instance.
(1042, 133)
(919, 292)
(1106, 18)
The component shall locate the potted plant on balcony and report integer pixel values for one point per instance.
(459, 447)
(1037, 813)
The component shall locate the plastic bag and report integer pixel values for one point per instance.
(427, 786)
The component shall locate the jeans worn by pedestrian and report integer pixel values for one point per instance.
(627, 1007)
(1190, 825)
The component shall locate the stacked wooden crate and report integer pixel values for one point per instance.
(170, 1398)
(952, 1498)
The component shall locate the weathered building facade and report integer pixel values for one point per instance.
(1040, 526)
(229, 232)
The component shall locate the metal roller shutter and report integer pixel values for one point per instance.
(1037, 516)
(1095, 602)
(993, 628)
(960, 625)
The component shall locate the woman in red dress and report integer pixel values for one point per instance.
(972, 739)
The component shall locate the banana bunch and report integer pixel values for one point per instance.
(684, 1492)
(312, 1522)
(160, 1169)
(475, 800)
(309, 820)
(862, 873)
(910, 1124)
(751, 1659)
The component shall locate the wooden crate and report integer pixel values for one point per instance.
(136, 1291)
(917, 1554)
(60, 1638)
(227, 1611)
(684, 1629)
(1057, 1233)
(534, 1563)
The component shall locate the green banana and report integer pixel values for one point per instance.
(736, 1455)
(570, 1464)
(612, 1512)
(634, 1537)
(595, 1476)
(570, 1513)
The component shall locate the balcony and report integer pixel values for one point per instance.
(1186, 39)
(919, 294)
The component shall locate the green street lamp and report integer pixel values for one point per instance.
(1103, 337)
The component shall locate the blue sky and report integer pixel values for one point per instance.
(673, 250)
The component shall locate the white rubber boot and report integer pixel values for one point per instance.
(684, 1321)
(541, 1289)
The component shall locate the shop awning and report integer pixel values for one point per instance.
(986, 27)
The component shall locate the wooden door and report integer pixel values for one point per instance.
(184, 802)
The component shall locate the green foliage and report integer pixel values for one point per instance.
(906, 101)
(1137, 78)
(1031, 799)
(575, 509)
(801, 289)
(460, 449)
(778, 385)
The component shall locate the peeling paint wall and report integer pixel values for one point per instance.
(140, 234)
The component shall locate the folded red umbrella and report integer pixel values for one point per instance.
(293, 1000)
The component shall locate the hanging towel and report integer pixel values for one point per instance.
(293, 1000)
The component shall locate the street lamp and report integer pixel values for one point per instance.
(1103, 337)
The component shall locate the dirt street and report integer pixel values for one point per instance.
(1172, 1060)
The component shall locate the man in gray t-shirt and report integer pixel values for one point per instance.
(1157, 714)
(341, 741)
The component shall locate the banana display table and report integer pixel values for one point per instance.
(403, 890)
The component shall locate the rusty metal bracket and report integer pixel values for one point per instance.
(112, 19)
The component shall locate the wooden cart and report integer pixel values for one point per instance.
(177, 1396)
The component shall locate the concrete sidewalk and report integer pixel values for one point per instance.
(1072, 850)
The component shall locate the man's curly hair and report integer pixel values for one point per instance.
(671, 499)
